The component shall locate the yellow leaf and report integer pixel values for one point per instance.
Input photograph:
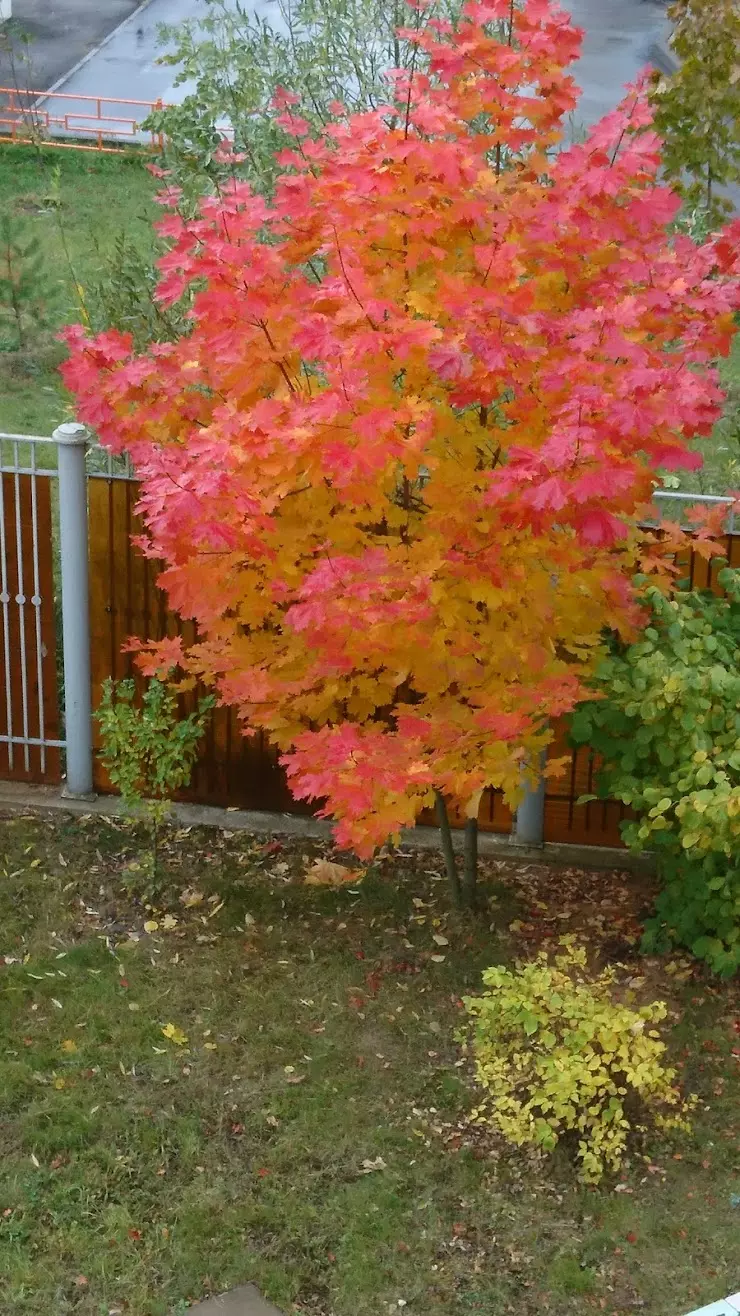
(59, 1083)
(151, 925)
(440, 940)
(69, 1046)
(210, 1046)
(323, 873)
(175, 1034)
(473, 805)
(169, 922)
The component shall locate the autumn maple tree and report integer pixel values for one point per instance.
(393, 470)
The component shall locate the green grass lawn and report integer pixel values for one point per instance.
(721, 452)
(78, 203)
(307, 1126)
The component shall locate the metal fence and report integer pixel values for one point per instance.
(73, 588)
(65, 119)
(30, 732)
(44, 604)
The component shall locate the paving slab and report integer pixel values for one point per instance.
(244, 1301)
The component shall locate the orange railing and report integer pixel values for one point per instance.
(48, 116)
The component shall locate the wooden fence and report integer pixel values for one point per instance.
(124, 601)
(234, 771)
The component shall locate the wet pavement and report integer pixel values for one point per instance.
(60, 33)
(621, 36)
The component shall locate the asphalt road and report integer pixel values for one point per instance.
(620, 37)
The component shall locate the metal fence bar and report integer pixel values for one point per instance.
(5, 598)
(20, 599)
(36, 602)
(33, 740)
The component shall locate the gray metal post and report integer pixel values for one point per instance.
(529, 827)
(71, 440)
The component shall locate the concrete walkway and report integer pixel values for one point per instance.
(60, 33)
(245, 1301)
(621, 37)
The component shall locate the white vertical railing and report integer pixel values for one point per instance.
(34, 456)
(5, 600)
(36, 602)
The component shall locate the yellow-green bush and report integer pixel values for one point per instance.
(555, 1052)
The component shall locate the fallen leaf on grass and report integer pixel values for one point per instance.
(439, 939)
(190, 898)
(151, 925)
(369, 1167)
(69, 1046)
(169, 922)
(437, 959)
(324, 873)
(175, 1034)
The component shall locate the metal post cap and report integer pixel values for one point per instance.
(71, 432)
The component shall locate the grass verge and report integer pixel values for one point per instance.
(77, 203)
(303, 1124)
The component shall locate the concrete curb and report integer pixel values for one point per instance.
(17, 797)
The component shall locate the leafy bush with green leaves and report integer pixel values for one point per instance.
(697, 108)
(557, 1053)
(23, 282)
(323, 51)
(122, 296)
(148, 749)
(667, 723)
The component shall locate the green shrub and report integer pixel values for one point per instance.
(148, 749)
(556, 1053)
(697, 108)
(122, 295)
(323, 51)
(23, 283)
(668, 726)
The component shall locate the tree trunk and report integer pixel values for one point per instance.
(470, 864)
(447, 849)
